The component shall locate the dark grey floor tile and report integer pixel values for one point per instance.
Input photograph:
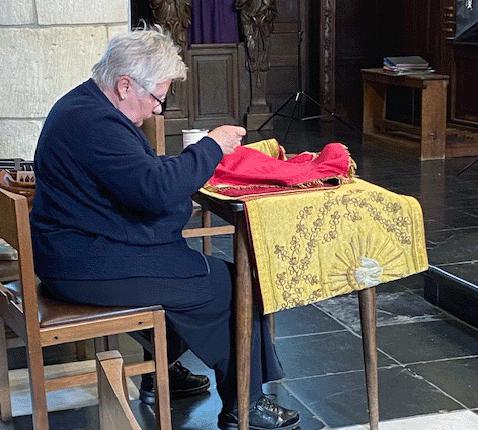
(471, 210)
(224, 243)
(409, 343)
(433, 224)
(341, 400)
(303, 320)
(392, 308)
(453, 246)
(435, 202)
(458, 378)
(221, 247)
(218, 220)
(455, 218)
(322, 354)
(414, 282)
(391, 287)
(195, 243)
(196, 413)
(76, 419)
(222, 255)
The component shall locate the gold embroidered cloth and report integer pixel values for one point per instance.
(315, 245)
(310, 246)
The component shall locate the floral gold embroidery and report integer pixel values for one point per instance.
(316, 226)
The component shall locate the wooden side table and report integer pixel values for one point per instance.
(428, 140)
(233, 212)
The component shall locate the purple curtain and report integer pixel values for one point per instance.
(214, 21)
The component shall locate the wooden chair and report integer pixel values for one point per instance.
(41, 321)
(114, 408)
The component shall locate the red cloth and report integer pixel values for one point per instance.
(248, 171)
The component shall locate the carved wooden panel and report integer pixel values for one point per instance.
(282, 77)
(213, 85)
(176, 101)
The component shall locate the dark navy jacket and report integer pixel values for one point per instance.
(106, 207)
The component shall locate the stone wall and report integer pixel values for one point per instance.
(46, 48)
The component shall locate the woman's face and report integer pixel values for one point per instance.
(139, 104)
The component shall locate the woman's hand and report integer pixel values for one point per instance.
(228, 137)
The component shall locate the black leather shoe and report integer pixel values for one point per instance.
(264, 414)
(182, 383)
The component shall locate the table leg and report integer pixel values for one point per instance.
(272, 326)
(243, 312)
(206, 240)
(368, 319)
(374, 99)
(433, 129)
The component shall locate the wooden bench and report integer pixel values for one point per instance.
(429, 139)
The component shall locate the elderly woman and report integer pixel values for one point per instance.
(108, 214)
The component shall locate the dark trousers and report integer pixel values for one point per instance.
(199, 311)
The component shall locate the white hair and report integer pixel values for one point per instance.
(148, 55)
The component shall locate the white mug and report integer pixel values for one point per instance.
(193, 135)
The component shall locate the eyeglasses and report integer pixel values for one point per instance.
(157, 99)
(160, 102)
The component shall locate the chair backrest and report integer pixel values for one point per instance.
(115, 411)
(153, 128)
(15, 230)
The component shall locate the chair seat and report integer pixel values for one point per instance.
(54, 312)
(8, 270)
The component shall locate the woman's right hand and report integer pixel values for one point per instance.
(228, 137)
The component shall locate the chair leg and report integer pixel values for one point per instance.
(37, 385)
(206, 241)
(80, 348)
(368, 319)
(163, 410)
(5, 400)
(99, 344)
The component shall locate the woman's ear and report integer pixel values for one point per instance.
(122, 87)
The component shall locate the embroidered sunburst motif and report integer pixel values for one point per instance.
(366, 262)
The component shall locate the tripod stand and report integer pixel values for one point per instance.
(300, 95)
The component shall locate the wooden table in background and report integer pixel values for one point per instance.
(430, 139)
